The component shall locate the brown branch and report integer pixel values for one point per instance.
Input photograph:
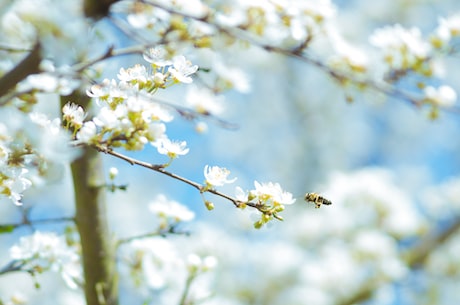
(29, 65)
(171, 230)
(110, 53)
(201, 188)
(417, 255)
(27, 222)
(97, 8)
(414, 257)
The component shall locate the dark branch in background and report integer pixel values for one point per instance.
(171, 230)
(29, 65)
(300, 54)
(97, 9)
(415, 257)
(191, 114)
(9, 227)
(111, 52)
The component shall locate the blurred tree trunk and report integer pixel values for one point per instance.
(99, 266)
(97, 8)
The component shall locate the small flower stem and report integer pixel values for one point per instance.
(188, 283)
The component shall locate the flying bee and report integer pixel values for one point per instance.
(318, 200)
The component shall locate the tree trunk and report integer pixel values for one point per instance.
(91, 218)
(98, 251)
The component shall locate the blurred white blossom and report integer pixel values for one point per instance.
(170, 210)
(182, 69)
(217, 176)
(272, 193)
(441, 96)
(204, 101)
(48, 251)
(157, 57)
(74, 114)
(402, 48)
(172, 149)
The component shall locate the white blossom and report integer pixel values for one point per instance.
(447, 29)
(87, 133)
(172, 149)
(217, 176)
(74, 114)
(204, 101)
(272, 192)
(50, 252)
(170, 209)
(157, 57)
(402, 47)
(441, 96)
(158, 261)
(182, 69)
(14, 182)
(136, 74)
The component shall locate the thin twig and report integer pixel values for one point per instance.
(110, 53)
(13, 266)
(28, 222)
(171, 230)
(160, 168)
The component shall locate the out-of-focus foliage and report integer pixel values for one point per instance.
(354, 100)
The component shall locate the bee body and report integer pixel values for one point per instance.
(318, 200)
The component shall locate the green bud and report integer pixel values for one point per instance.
(209, 205)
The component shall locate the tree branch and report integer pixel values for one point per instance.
(201, 188)
(27, 222)
(415, 257)
(300, 54)
(29, 65)
(171, 230)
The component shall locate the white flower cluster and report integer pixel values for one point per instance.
(442, 96)
(157, 265)
(44, 251)
(153, 263)
(282, 23)
(197, 264)
(31, 148)
(170, 212)
(406, 52)
(129, 116)
(216, 176)
(447, 31)
(403, 48)
(269, 198)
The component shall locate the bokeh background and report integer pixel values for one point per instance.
(391, 173)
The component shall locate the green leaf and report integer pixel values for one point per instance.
(6, 229)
